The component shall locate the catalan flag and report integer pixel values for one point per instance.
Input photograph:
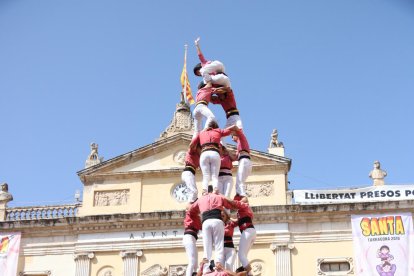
(184, 81)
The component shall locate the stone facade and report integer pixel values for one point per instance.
(129, 223)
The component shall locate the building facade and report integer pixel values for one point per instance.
(130, 219)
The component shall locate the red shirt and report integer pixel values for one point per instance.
(192, 158)
(228, 102)
(212, 135)
(210, 202)
(229, 228)
(244, 216)
(242, 143)
(204, 94)
(192, 220)
(244, 210)
(226, 162)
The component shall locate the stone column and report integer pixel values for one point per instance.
(130, 259)
(83, 263)
(283, 263)
(3, 213)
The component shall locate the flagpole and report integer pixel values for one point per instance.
(185, 77)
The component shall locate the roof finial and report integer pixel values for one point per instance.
(93, 157)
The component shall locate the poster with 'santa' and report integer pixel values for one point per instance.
(383, 244)
(9, 253)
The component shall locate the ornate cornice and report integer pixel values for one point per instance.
(172, 172)
(292, 214)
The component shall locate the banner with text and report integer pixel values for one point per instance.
(372, 193)
(9, 253)
(383, 244)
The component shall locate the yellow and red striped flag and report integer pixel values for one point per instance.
(184, 81)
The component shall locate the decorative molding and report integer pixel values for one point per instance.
(101, 176)
(106, 271)
(131, 253)
(177, 270)
(275, 246)
(179, 157)
(84, 256)
(155, 270)
(111, 198)
(260, 188)
(258, 268)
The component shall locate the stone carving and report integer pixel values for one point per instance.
(257, 268)
(155, 270)
(177, 270)
(111, 198)
(274, 143)
(179, 157)
(259, 189)
(377, 175)
(5, 196)
(106, 271)
(182, 120)
(93, 157)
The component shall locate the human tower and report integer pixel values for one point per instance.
(207, 150)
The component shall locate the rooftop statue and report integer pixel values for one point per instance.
(377, 175)
(5, 196)
(274, 143)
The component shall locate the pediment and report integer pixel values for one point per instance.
(166, 154)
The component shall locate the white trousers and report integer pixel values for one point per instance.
(225, 184)
(244, 170)
(234, 120)
(210, 167)
(247, 239)
(189, 243)
(219, 79)
(229, 258)
(213, 234)
(188, 179)
(201, 111)
(213, 67)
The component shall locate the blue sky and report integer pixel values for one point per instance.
(334, 77)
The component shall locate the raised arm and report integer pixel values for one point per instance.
(199, 53)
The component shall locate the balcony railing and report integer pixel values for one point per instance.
(41, 212)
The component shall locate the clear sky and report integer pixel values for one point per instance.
(334, 77)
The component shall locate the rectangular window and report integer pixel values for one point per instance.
(36, 273)
(335, 266)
